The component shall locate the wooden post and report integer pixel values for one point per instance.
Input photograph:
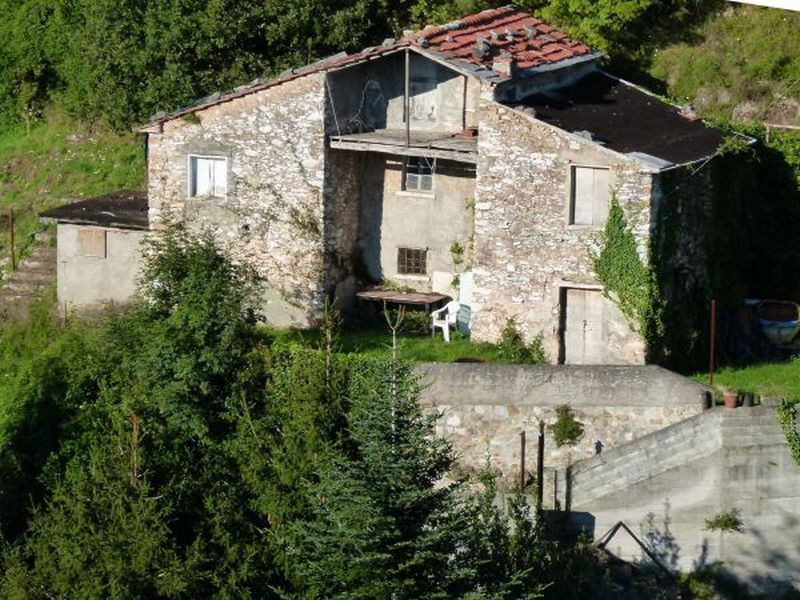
(407, 105)
(522, 460)
(540, 468)
(713, 347)
(11, 231)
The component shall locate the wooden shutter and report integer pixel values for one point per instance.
(590, 196)
(203, 174)
(600, 194)
(582, 196)
(220, 176)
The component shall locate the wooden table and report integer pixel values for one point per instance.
(426, 299)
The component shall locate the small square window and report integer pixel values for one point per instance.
(208, 176)
(589, 196)
(411, 261)
(92, 242)
(418, 174)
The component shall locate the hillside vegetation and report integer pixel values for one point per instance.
(741, 65)
(59, 160)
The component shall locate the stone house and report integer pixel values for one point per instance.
(476, 159)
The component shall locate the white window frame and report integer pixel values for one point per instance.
(191, 184)
(571, 197)
(423, 160)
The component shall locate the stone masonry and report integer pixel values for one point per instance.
(525, 252)
(485, 407)
(273, 216)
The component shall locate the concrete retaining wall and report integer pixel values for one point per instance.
(485, 407)
(665, 485)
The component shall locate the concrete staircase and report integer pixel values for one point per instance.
(672, 447)
(643, 458)
(35, 274)
(669, 482)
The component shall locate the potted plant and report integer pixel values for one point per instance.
(730, 398)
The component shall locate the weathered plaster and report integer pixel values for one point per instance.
(392, 218)
(107, 273)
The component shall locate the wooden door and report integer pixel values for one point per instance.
(582, 336)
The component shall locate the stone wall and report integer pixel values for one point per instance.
(343, 199)
(526, 253)
(485, 407)
(272, 216)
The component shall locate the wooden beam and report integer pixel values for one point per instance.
(465, 157)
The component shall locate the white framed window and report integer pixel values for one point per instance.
(590, 194)
(418, 174)
(208, 176)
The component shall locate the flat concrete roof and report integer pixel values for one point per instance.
(122, 210)
(626, 119)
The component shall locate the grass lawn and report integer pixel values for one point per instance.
(412, 347)
(779, 380)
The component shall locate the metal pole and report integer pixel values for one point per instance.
(407, 105)
(540, 468)
(11, 228)
(713, 348)
(522, 460)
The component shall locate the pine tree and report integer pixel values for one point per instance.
(384, 524)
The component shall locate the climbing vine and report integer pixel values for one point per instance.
(787, 416)
(625, 277)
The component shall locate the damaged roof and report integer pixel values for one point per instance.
(122, 210)
(502, 33)
(623, 118)
(471, 45)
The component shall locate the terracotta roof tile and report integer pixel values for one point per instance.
(507, 30)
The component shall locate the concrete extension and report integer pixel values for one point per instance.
(666, 484)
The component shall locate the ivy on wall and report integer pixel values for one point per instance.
(787, 416)
(618, 266)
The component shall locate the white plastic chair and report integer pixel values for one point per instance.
(444, 318)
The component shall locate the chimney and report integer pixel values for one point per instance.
(505, 65)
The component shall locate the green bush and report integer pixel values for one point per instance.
(567, 430)
(513, 349)
(727, 520)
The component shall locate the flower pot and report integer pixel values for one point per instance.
(730, 399)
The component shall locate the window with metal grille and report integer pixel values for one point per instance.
(418, 174)
(411, 261)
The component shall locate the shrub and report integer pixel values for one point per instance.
(513, 349)
(727, 520)
(566, 430)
